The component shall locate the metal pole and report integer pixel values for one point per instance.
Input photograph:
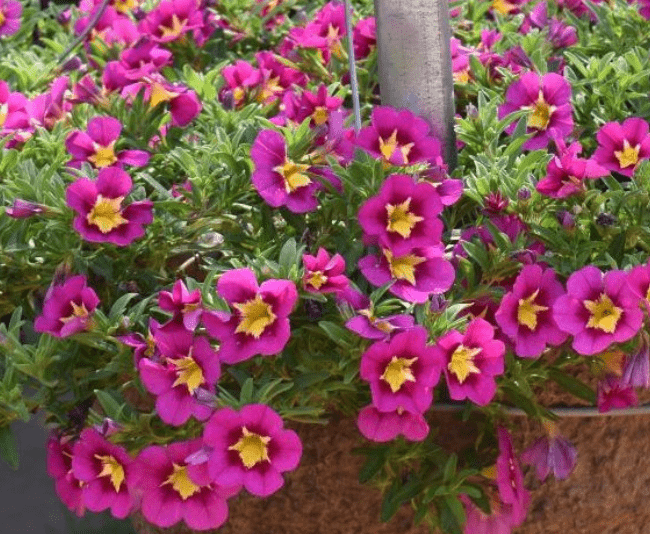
(415, 64)
(353, 67)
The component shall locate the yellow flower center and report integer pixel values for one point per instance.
(528, 310)
(647, 294)
(320, 115)
(462, 362)
(389, 146)
(461, 76)
(175, 29)
(106, 214)
(503, 7)
(400, 219)
(334, 40)
(293, 174)
(268, 90)
(397, 372)
(125, 6)
(4, 108)
(629, 156)
(77, 311)
(181, 482)
(238, 94)
(252, 448)
(104, 156)
(112, 468)
(540, 114)
(256, 315)
(188, 373)
(160, 94)
(604, 315)
(317, 279)
(403, 267)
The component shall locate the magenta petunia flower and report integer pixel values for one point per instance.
(548, 101)
(101, 218)
(13, 112)
(324, 33)
(598, 310)
(97, 145)
(612, 394)
(324, 273)
(510, 479)
(471, 361)
(551, 453)
(369, 326)
(252, 448)
(402, 215)
(51, 107)
(182, 304)
(187, 363)
(106, 471)
(566, 172)
(386, 426)
(170, 495)
(259, 322)
(59, 467)
(500, 520)
(402, 372)
(418, 274)
(144, 59)
(171, 19)
(144, 347)
(622, 146)
(240, 78)
(526, 313)
(275, 78)
(10, 11)
(398, 137)
(639, 280)
(68, 308)
(279, 180)
(318, 106)
(364, 37)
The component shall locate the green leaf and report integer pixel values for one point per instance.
(375, 461)
(120, 305)
(246, 395)
(452, 515)
(8, 449)
(573, 385)
(110, 406)
(450, 468)
(288, 255)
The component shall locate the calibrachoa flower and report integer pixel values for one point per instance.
(22, 209)
(250, 447)
(171, 19)
(419, 273)
(10, 11)
(324, 273)
(402, 215)
(13, 113)
(182, 303)
(471, 361)
(386, 426)
(613, 394)
(368, 325)
(59, 467)
(402, 372)
(478, 522)
(186, 364)
(279, 180)
(398, 137)
(100, 215)
(144, 347)
(551, 453)
(97, 145)
(639, 280)
(510, 479)
(622, 146)
(68, 308)
(259, 322)
(598, 310)
(170, 495)
(526, 312)
(548, 101)
(106, 471)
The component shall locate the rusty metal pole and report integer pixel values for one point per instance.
(415, 64)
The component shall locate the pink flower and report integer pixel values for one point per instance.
(386, 426)
(510, 479)
(323, 273)
(187, 363)
(144, 347)
(259, 322)
(622, 146)
(59, 467)
(22, 209)
(275, 78)
(106, 471)
(416, 275)
(240, 78)
(252, 448)
(402, 215)
(97, 145)
(13, 112)
(364, 37)
(551, 453)
(398, 137)
(597, 310)
(100, 215)
(318, 106)
(526, 312)
(500, 520)
(612, 394)
(324, 33)
(170, 495)
(10, 11)
(367, 325)
(48, 108)
(402, 372)
(548, 101)
(144, 59)
(68, 308)
(171, 19)
(182, 304)
(471, 361)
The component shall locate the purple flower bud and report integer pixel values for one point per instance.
(23, 209)
(496, 202)
(566, 219)
(523, 193)
(605, 219)
(636, 372)
(438, 303)
(108, 427)
(551, 453)
(199, 457)
(74, 63)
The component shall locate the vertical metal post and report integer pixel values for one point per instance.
(415, 63)
(353, 67)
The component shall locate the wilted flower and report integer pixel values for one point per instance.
(386, 426)
(551, 453)
(613, 394)
(510, 479)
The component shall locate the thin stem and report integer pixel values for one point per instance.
(353, 67)
(91, 24)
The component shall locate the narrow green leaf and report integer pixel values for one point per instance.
(8, 449)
